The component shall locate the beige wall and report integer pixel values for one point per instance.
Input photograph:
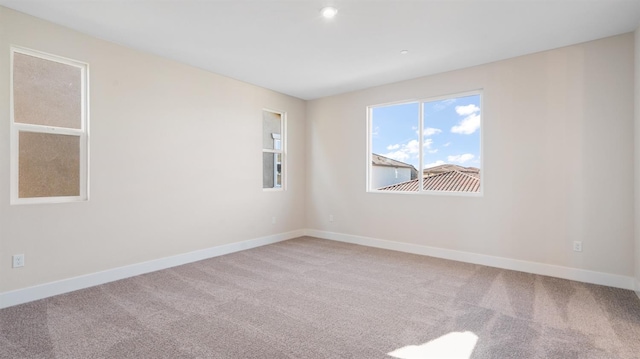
(176, 163)
(558, 162)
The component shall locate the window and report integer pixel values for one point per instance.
(273, 149)
(428, 146)
(49, 121)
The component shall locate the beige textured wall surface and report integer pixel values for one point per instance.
(175, 163)
(557, 153)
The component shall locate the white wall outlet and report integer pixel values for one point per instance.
(273, 220)
(18, 260)
(577, 246)
(331, 218)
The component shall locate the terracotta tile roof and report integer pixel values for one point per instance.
(451, 181)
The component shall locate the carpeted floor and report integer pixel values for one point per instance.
(313, 298)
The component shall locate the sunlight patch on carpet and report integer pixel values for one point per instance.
(457, 345)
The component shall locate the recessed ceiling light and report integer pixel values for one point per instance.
(329, 12)
(404, 52)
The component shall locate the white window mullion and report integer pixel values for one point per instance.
(23, 127)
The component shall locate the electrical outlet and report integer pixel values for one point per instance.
(331, 218)
(18, 260)
(577, 246)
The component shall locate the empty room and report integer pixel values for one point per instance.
(320, 179)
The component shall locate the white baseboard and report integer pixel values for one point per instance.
(8, 299)
(580, 275)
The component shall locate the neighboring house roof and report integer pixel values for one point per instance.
(450, 167)
(378, 160)
(451, 181)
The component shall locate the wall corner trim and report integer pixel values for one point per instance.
(576, 274)
(25, 295)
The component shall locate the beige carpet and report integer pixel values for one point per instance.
(312, 298)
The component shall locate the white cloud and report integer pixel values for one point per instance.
(433, 151)
(461, 158)
(436, 163)
(412, 146)
(398, 155)
(403, 152)
(446, 144)
(430, 131)
(467, 110)
(444, 104)
(467, 126)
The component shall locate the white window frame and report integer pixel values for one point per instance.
(282, 151)
(421, 102)
(82, 132)
(277, 145)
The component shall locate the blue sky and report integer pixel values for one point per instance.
(451, 132)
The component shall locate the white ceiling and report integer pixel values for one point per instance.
(286, 45)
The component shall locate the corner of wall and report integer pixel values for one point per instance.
(637, 156)
(308, 170)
